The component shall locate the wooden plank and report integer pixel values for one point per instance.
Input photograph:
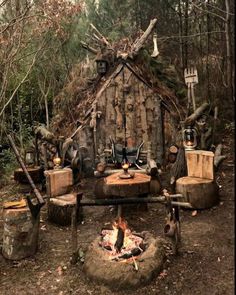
(200, 164)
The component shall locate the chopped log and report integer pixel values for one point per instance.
(173, 149)
(20, 235)
(101, 167)
(60, 209)
(119, 240)
(139, 43)
(152, 168)
(201, 193)
(200, 164)
(36, 174)
(193, 117)
(138, 185)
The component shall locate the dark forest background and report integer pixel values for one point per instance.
(40, 44)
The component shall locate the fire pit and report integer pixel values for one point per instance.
(122, 259)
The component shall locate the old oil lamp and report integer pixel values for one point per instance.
(102, 66)
(57, 162)
(189, 138)
(125, 166)
(29, 158)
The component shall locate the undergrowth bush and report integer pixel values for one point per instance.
(8, 164)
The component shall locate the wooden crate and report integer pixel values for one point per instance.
(58, 182)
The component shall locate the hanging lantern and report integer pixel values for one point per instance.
(29, 158)
(189, 138)
(102, 66)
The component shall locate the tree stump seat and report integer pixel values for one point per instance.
(201, 193)
(36, 174)
(20, 235)
(60, 209)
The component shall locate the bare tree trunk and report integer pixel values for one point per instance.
(180, 36)
(186, 34)
(228, 51)
(208, 53)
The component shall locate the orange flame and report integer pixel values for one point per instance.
(125, 166)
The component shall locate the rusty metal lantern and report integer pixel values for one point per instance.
(30, 157)
(189, 138)
(102, 66)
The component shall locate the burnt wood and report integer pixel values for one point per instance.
(120, 240)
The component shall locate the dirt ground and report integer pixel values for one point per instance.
(205, 264)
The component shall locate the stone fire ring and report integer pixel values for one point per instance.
(122, 275)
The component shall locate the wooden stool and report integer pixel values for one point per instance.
(20, 235)
(60, 209)
(201, 193)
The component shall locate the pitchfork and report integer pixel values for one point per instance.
(191, 78)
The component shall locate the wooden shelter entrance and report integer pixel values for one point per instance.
(129, 112)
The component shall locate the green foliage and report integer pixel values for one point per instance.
(7, 165)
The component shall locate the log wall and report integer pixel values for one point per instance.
(127, 94)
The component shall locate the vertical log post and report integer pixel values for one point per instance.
(74, 239)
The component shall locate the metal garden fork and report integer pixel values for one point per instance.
(191, 78)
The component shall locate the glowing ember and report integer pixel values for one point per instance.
(120, 243)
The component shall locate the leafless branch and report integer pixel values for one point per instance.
(21, 82)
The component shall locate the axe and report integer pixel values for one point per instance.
(34, 208)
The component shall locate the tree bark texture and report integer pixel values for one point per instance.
(20, 235)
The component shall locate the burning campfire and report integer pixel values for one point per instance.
(122, 259)
(119, 243)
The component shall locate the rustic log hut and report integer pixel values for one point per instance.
(125, 102)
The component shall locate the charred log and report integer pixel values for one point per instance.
(120, 240)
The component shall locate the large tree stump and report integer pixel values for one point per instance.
(60, 209)
(20, 235)
(201, 193)
(138, 185)
(36, 174)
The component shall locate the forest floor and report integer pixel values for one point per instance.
(204, 265)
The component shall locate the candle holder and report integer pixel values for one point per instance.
(126, 174)
(57, 162)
